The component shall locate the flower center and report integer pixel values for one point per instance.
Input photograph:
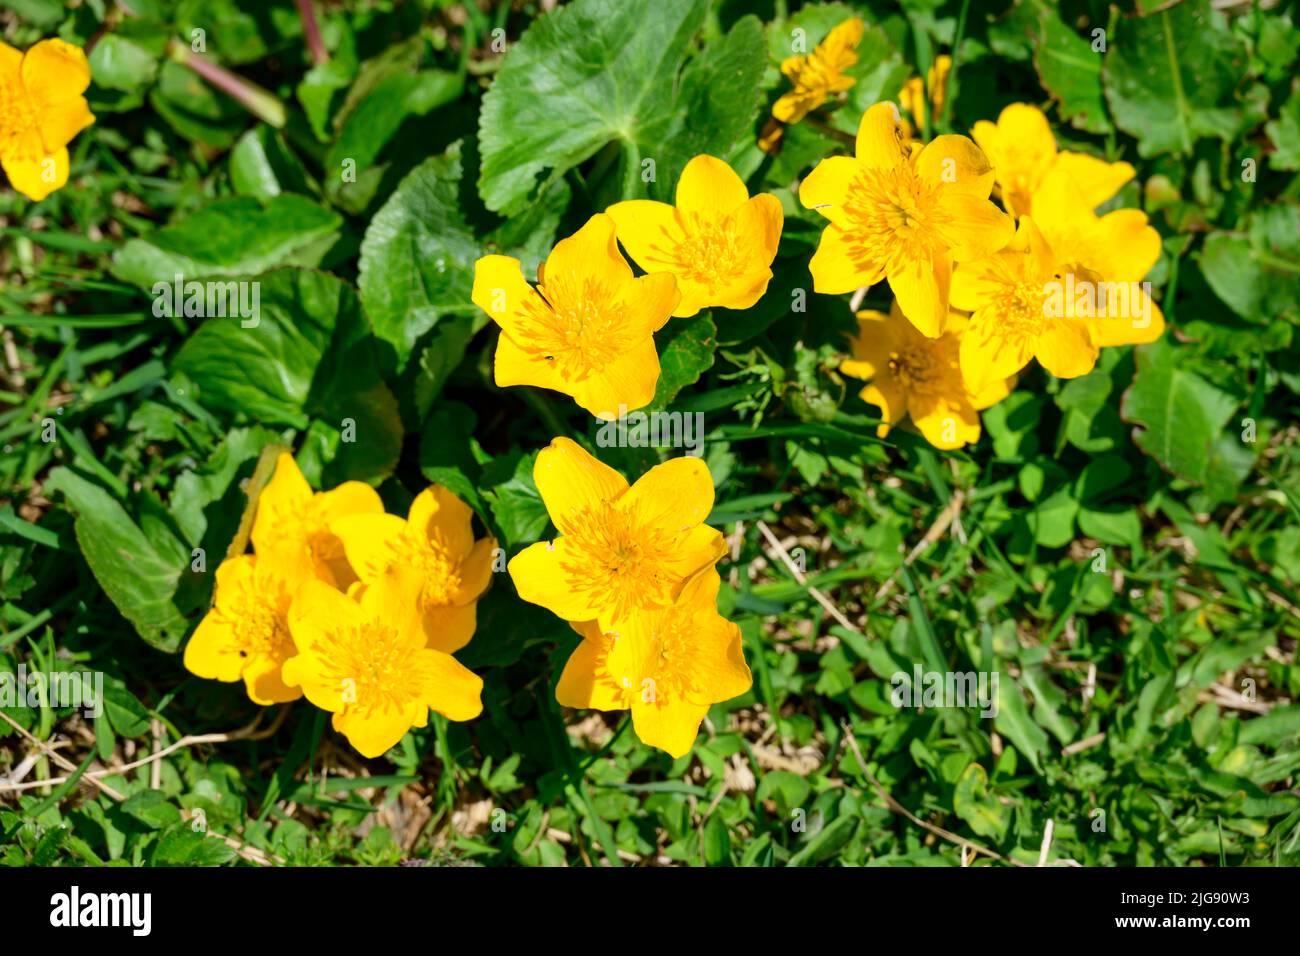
(913, 367)
(373, 668)
(19, 138)
(439, 571)
(893, 217)
(619, 564)
(709, 254)
(259, 626)
(580, 326)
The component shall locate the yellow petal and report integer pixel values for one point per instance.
(838, 265)
(1095, 179)
(368, 542)
(1142, 322)
(624, 385)
(652, 299)
(671, 727)
(571, 480)
(591, 251)
(437, 514)
(375, 731)
(975, 228)
(585, 681)
(280, 501)
(318, 610)
(453, 690)
(879, 141)
(540, 578)
(825, 187)
(265, 684)
(921, 289)
(513, 365)
(701, 547)
(500, 290)
(449, 628)
(476, 570)
(676, 494)
(945, 424)
(888, 394)
(710, 188)
(213, 651)
(37, 178)
(954, 163)
(987, 355)
(54, 72)
(649, 231)
(60, 122)
(1066, 350)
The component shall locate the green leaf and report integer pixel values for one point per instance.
(195, 110)
(140, 579)
(686, 356)
(1258, 274)
(1182, 419)
(972, 801)
(234, 236)
(311, 355)
(261, 165)
(589, 73)
(417, 258)
(119, 63)
(1171, 78)
(514, 499)
(1285, 132)
(1071, 72)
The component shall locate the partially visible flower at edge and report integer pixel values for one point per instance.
(41, 110)
(923, 100)
(819, 75)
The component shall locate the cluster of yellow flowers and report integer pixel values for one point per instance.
(979, 291)
(41, 110)
(356, 609)
(587, 329)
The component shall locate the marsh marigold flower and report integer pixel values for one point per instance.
(717, 241)
(1013, 317)
(819, 75)
(621, 549)
(914, 376)
(901, 217)
(366, 662)
(1108, 256)
(293, 522)
(41, 110)
(436, 541)
(667, 666)
(587, 330)
(246, 633)
(923, 100)
(1023, 151)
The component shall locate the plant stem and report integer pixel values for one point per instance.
(261, 103)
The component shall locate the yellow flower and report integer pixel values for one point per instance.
(293, 522)
(587, 330)
(41, 110)
(620, 549)
(819, 75)
(718, 242)
(667, 666)
(437, 542)
(366, 662)
(912, 97)
(1010, 296)
(903, 217)
(1118, 249)
(246, 633)
(1023, 151)
(912, 375)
